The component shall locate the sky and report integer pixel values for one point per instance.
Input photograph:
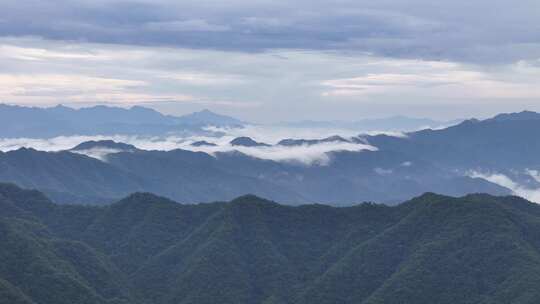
(270, 61)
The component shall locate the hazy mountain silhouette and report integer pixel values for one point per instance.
(106, 144)
(203, 143)
(245, 141)
(20, 121)
(207, 117)
(300, 142)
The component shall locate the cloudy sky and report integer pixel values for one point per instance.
(265, 61)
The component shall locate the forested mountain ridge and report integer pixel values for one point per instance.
(147, 249)
(190, 177)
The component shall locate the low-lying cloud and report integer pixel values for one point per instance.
(99, 153)
(505, 181)
(272, 134)
(306, 154)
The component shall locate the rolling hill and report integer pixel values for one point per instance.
(147, 249)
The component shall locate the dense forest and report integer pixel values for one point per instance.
(147, 249)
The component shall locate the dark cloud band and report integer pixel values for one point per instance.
(481, 32)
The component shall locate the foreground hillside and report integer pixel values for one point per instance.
(146, 249)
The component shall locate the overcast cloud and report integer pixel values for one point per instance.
(298, 59)
(459, 30)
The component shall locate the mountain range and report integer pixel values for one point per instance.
(18, 121)
(146, 249)
(35, 122)
(442, 161)
(186, 176)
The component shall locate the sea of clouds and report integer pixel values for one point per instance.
(306, 154)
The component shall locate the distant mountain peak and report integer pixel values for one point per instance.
(251, 199)
(203, 143)
(143, 198)
(245, 141)
(335, 138)
(470, 121)
(523, 115)
(309, 142)
(207, 117)
(61, 106)
(104, 144)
